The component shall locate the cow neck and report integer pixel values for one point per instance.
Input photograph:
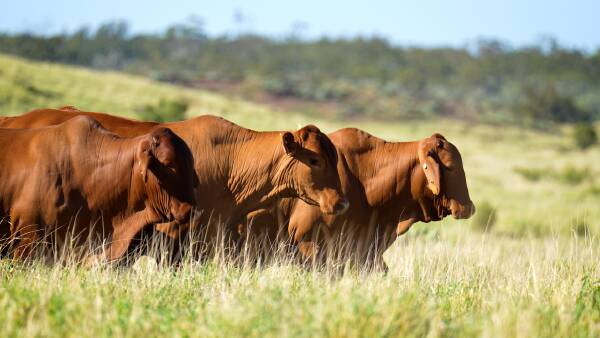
(115, 163)
(260, 172)
(387, 171)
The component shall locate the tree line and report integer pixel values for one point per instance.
(366, 77)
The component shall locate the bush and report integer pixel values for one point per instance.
(485, 217)
(531, 174)
(529, 228)
(165, 111)
(584, 135)
(580, 227)
(573, 175)
(569, 174)
(547, 104)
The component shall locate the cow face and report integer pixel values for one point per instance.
(445, 177)
(167, 170)
(315, 176)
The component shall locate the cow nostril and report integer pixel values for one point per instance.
(342, 206)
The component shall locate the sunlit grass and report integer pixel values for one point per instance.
(448, 285)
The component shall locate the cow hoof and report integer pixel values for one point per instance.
(308, 249)
(145, 264)
(93, 261)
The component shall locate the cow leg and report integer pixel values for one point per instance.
(123, 234)
(308, 249)
(404, 226)
(27, 237)
(302, 221)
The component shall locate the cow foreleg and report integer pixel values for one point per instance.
(404, 226)
(27, 236)
(123, 233)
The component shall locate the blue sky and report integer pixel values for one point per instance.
(574, 23)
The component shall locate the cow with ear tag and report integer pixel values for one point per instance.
(78, 178)
(390, 186)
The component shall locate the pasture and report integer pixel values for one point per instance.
(525, 265)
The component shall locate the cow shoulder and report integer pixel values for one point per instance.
(81, 128)
(354, 140)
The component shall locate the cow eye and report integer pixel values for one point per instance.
(313, 162)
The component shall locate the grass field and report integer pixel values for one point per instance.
(534, 272)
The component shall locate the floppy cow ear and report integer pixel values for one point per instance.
(289, 144)
(146, 156)
(196, 180)
(432, 173)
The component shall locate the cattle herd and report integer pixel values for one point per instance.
(103, 177)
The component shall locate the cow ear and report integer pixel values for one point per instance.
(146, 157)
(196, 180)
(432, 172)
(289, 144)
(430, 165)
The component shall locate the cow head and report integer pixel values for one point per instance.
(166, 166)
(445, 178)
(314, 169)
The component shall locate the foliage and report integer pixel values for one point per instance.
(531, 174)
(584, 135)
(569, 174)
(580, 227)
(363, 76)
(165, 111)
(573, 175)
(547, 104)
(587, 304)
(485, 217)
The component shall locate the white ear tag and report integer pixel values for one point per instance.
(425, 166)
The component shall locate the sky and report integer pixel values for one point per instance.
(574, 23)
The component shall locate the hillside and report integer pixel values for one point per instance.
(484, 80)
(26, 85)
(533, 273)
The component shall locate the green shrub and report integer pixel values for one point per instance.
(580, 227)
(573, 175)
(547, 104)
(584, 135)
(531, 174)
(529, 228)
(569, 174)
(485, 217)
(165, 111)
(587, 304)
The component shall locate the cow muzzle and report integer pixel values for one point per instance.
(181, 212)
(462, 211)
(333, 204)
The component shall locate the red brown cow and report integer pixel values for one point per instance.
(390, 186)
(78, 178)
(239, 170)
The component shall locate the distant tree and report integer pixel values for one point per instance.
(363, 76)
(547, 104)
(584, 135)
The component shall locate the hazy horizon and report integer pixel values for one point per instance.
(426, 23)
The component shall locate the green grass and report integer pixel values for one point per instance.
(536, 272)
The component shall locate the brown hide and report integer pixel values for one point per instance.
(238, 169)
(390, 186)
(78, 178)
